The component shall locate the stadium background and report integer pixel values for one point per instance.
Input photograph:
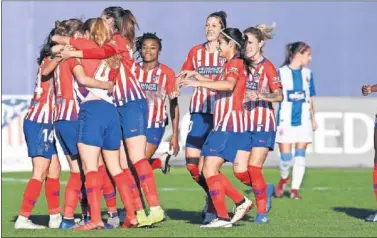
(342, 35)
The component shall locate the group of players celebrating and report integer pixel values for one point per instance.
(108, 113)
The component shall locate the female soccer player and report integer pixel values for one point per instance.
(38, 129)
(206, 60)
(296, 118)
(222, 143)
(158, 82)
(262, 89)
(130, 100)
(100, 129)
(66, 128)
(366, 90)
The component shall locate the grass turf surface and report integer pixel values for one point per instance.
(335, 203)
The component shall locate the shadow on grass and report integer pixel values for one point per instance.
(359, 213)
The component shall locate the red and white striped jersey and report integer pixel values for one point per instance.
(209, 65)
(41, 108)
(127, 88)
(157, 84)
(260, 115)
(228, 115)
(66, 87)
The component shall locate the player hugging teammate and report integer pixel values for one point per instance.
(109, 114)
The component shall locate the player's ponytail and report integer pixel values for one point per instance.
(292, 49)
(266, 31)
(261, 32)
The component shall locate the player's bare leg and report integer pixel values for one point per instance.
(31, 193)
(285, 166)
(298, 170)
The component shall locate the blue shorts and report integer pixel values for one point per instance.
(265, 139)
(67, 134)
(99, 125)
(223, 144)
(200, 127)
(154, 135)
(133, 118)
(40, 139)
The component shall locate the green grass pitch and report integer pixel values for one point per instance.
(335, 202)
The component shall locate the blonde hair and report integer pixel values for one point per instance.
(266, 30)
(101, 34)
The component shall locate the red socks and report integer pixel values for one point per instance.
(259, 188)
(125, 193)
(93, 191)
(155, 163)
(52, 190)
(217, 193)
(72, 195)
(194, 171)
(147, 182)
(243, 177)
(31, 194)
(108, 190)
(134, 190)
(230, 190)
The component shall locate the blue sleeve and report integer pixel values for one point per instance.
(311, 86)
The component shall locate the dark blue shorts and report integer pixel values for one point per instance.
(133, 118)
(200, 126)
(223, 144)
(99, 125)
(154, 135)
(67, 134)
(253, 139)
(39, 139)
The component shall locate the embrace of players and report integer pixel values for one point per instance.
(108, 112)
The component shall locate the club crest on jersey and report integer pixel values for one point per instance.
(296, 96)
(222, 60)
(206, 70)
(155, 77)
(149, 86)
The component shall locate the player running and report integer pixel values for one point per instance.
(222, 143)
(296, 116)
(158, 82)
(262, 89)
(205, 59)
(38, 130)
(366, 90)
